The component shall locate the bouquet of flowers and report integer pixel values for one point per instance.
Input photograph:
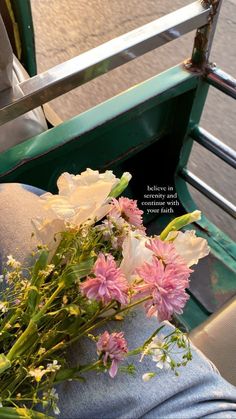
(93, 265)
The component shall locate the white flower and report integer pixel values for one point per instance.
(54, 366)
(52, 395)
(190, 247)
(1, 405)
(13, 263)
(1, 278)
(3, 306)
(47, 230)
(157, 351)
(45, 272)
(134, 252)
(37, 373)
(56, 410)
(162, 361)
(82, 199)
(147, 376)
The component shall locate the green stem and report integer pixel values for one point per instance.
(102, 322)
(61, 344)
(11, 320)
(40, 314)
(21, 344)
(48, 353)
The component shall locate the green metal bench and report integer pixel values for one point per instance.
(148, 130)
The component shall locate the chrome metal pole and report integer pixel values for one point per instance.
(221, 80)
(209, 192)
(85, 67)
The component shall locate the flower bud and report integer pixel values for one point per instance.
(122, 185)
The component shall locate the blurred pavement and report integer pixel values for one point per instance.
(66, 28)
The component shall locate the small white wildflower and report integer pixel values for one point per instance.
(3, 307)
(47, 270)
(157, 351)
(53, 394)
(55, 398)
(155, 344)
(148, 376)
(56, 409)
(13, 263)
(1, 278)
(11, 277)
(1, 405)
(53, 366)
(162, 361)
(37, 373)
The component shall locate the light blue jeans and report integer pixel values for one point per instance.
(198, 392)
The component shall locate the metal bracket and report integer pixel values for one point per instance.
(213, 4)
(204, 37)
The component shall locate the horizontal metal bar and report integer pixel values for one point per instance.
(221, 80)
(214, 145)
(209, 192)
(85, 67)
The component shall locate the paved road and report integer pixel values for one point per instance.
(65, 28)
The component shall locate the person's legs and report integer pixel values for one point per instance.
(11, 75)
(199, 391)
(18, 205)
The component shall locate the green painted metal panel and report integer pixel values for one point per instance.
(193, 315)
(133, 131)
(218, 278)
(103, 136)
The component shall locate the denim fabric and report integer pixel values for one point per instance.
(198, 392)
(18, 205)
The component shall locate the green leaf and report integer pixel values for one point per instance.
(33, 299)
(75, 272)
(4, 363)
(68, 374)
(39, 265)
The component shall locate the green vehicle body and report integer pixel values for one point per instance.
(150, 123)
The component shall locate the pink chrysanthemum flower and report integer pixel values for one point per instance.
(108, 284)
(127, 208)
(112, 347)
(164, 251)
(166, 285)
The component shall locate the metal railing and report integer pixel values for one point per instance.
(85, 67)
(217, 147)
(226, 84)
(209, 192)
(221, 80)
